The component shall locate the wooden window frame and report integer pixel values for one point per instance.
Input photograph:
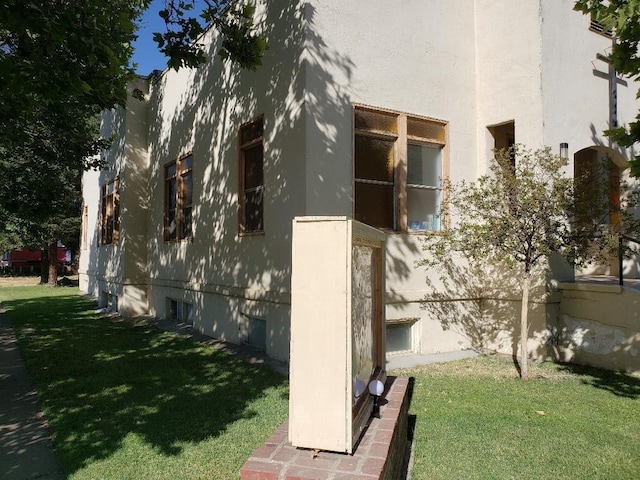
(181, 173)
(85, 227)
(401, 141)
(110, 212)
(242, 190)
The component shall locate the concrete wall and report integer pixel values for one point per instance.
(598, 326)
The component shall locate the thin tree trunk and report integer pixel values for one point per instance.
(53, 264)
(524, 328)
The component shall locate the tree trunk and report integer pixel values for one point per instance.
(44, 266)
(524, 328)
(53, 264)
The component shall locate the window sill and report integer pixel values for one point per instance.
(251, 234)
(182, 240)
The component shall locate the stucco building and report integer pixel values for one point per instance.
(359, 109)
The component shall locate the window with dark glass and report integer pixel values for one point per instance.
(110, 213)
(85, 226)
(178, 187)
(398, 170)
(251, 195)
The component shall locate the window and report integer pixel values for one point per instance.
(180, 311)
(85, 226)
(257, 332)
(251, 196)
(178, 191)
(399, 335)
(504, 137)
(398, 170)
(110, 224)
(109, 301)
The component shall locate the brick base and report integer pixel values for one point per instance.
(380, 454)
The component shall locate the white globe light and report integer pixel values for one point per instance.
(376, 387)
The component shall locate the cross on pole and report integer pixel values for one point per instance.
(614, 81)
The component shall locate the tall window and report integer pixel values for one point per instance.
(178, 191)
(251, 195)
(85, 226)
(110, 222)
(398, 170)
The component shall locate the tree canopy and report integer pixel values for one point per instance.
(622, 18)
(61, 64)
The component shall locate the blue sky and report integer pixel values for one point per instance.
(146, 53)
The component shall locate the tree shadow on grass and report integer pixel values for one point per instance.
(618, 383)
(100, 381)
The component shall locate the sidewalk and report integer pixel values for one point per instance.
(26, 450)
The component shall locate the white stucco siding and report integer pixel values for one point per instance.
(471, 63)
(508, 78)
(119, 268)
(199, 112)
(576, 90)
(410, 56)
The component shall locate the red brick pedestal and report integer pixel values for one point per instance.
(379, 455)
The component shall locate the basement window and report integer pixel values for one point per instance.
(109, 301)
(400, 335)
(180, 311)
(256, 333)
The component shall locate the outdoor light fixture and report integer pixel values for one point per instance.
(376, 387)
(564, 150)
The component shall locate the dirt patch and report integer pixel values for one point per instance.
(19, 281)
(26, 281)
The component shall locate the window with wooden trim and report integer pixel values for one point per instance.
(178, 199)
(251, 195)
(399, 166)
(85, 226)
(110, 218)
(179, 311)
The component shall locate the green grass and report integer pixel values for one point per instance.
(131, 402)
(476, 420)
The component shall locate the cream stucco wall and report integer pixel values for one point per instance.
(120, 268)
(229, 278)
(598, 326)
(470, 63)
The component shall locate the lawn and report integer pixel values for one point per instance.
(131, 402)
(476, 420)
(127, 401)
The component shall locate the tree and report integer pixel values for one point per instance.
(233, 21)
(520, 215)
(61, 64)
(622, 18)
(41, 195)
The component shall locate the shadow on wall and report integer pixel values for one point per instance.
(105, 260)
(484, 305)
(302, 89)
